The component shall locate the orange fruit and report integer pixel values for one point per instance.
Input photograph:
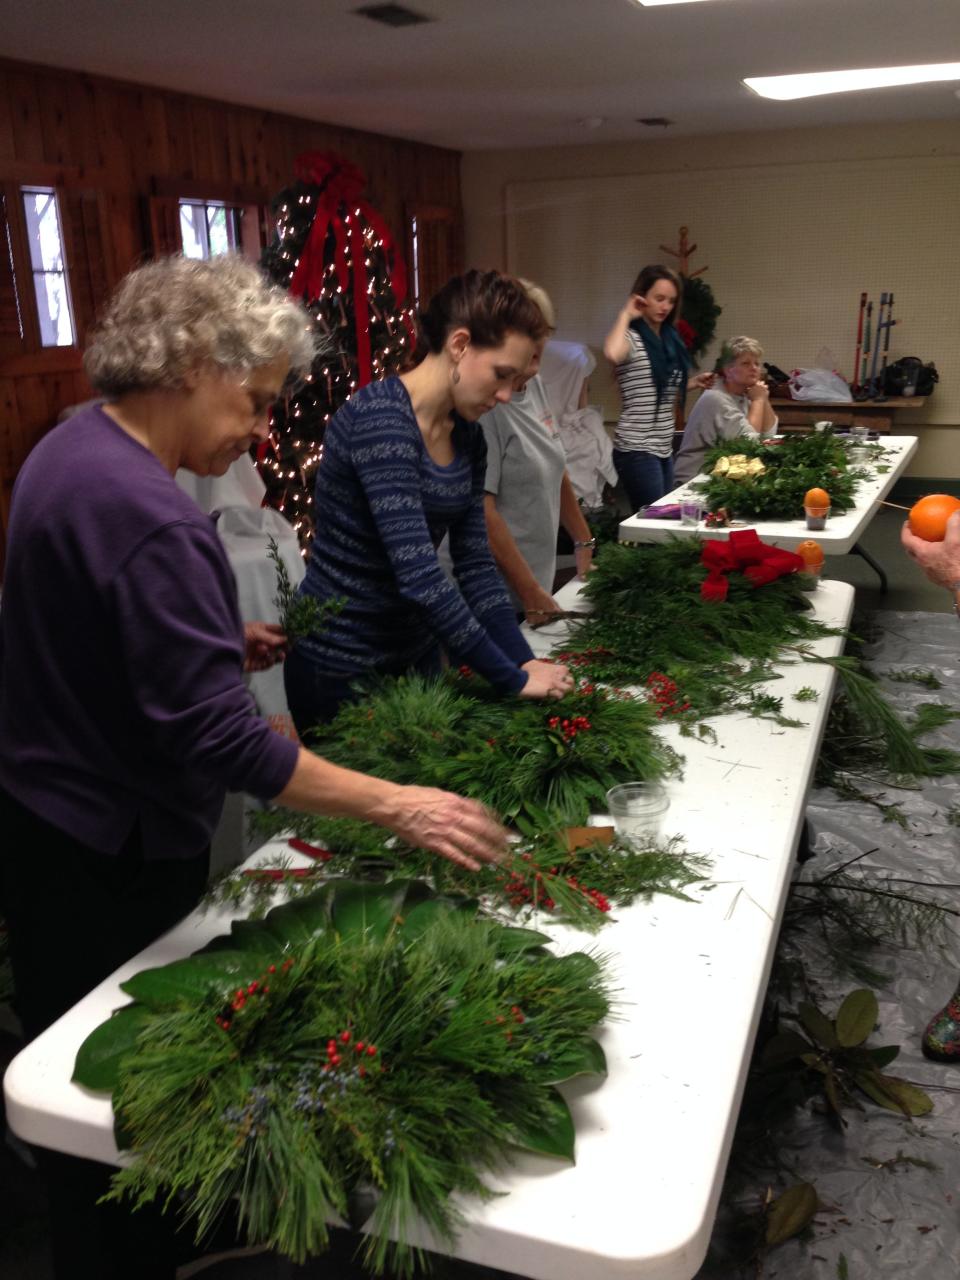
(816, 498)
(928, 517)
(811, 553)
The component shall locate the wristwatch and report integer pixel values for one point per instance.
(592, 542)
(955, 588)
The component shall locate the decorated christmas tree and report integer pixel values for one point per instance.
(333, 251)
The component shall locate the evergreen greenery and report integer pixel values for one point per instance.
(792, 466)
(539, 766)
(377, 1038)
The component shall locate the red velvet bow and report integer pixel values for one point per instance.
(744, 550)
(340, 207)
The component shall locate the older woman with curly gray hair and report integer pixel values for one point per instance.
(123, 715)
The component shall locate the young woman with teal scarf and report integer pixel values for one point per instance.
(652, 368)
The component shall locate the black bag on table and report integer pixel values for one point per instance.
(907, 371)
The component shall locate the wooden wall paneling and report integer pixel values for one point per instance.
(84, 146)
(7, 150)
(55, 122)
(10, 417)
(154, 141)
(179, 136)
(35, 415)
(25, 110)
(201, 143)
(108, 123)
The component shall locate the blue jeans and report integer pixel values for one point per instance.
(645, 477)
(314, 697)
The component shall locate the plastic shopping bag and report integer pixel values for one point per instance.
(819, 384)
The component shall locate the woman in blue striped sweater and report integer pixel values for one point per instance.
(403, 463)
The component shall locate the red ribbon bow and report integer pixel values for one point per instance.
(340, 207)
(744, 550)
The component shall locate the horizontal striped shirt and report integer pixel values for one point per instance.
(642, 425)
(382, 507)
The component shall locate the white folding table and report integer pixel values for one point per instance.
(841, 535)
(654, 1136)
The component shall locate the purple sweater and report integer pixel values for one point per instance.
(121, 649)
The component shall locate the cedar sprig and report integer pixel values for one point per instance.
(300, 615)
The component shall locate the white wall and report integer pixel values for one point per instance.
(793, 224)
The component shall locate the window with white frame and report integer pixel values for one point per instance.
(209, 228)
(44, 232)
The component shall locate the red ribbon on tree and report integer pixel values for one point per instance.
(760, 562)
(342, 184)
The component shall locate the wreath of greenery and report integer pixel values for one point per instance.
(792, 467)
(700, 311)
(367, 1040)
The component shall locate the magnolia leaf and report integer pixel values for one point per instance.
(583, 1057)
(552, 1134)
(893, 1093)
(420, 918)
(784, 1047)
(815, 1061)
(367, 908)
(510, 941)
(856, 1017)
(818, 1025)
(791, 1212)
(192, 978)
(97, 1064)
(267, 937)
(884, 1055)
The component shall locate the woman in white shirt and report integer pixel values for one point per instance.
(740, 406)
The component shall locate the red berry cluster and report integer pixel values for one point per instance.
(465, 672)
(570, 728)
(599, 900)
(258, 988)
(663, 692)
(584, 658)
(336, 1048)
(519, 893)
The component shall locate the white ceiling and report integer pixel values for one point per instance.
(505, 73)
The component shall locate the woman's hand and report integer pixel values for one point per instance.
(265, 644)
(701, 382)
(539, 606)
(636, 306)
(759, 391)
(583, 556)
(940, 561)
(460, 830)
(546, 680)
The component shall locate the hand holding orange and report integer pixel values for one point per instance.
(928, 517)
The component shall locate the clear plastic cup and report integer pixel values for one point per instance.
(637, 810)
(691, 511)
(817, 517)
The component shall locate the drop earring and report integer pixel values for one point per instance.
(456, 375)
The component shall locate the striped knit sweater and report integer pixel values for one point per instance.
(382, 507)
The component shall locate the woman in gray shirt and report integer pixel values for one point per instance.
(528, 492)
(740, 406)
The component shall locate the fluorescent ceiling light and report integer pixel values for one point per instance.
(649, 4)
(785, 88)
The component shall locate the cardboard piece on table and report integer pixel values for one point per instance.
(581, 837)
